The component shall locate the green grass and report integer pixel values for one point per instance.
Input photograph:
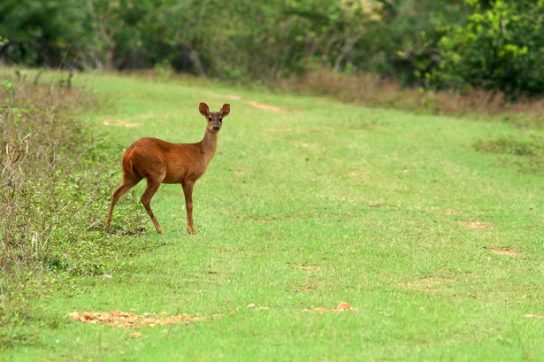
(307, 206)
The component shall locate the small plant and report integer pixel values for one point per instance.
(529, 153)
(508, 146)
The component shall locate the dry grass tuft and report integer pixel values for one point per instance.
(503, 250)
(374, 91)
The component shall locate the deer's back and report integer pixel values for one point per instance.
(152, 157)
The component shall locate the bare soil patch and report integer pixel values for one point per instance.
(475, 224)
(428, 283)
(254, 104)
(534, 316)
(342, 307)
(257, 307)
(305, 145)
(310, 285)
(452, 212)
(131, 320)
(279, 130)
(503, 250)
(121, 123)
(310, 268)
(232, 97)
(264, 106)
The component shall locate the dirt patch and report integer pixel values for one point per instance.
(310, 285)
(232, 97)
(452, 212)
(279, 130)
(503, 250)
(131, 320)
(264, 106)
(342, 307)
(475, 224)
(121, 123)
(306, 288)
(254, 104)
(305, 145)
(428, 283)
(237, 171)
(257, 307)
(310, 268)
(534, 316)
(312, 281)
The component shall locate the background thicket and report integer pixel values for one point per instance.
(496, 45)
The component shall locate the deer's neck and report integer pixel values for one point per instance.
(209, 144)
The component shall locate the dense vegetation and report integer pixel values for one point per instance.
(492, 44)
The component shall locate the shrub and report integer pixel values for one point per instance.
(54, 190)
(500, 48)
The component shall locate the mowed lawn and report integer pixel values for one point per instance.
(437, 247)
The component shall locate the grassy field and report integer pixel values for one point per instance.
(431, 228)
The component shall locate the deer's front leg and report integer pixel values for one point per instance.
(188, 192)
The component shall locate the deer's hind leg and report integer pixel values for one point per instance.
(153, 184)
(127, 184)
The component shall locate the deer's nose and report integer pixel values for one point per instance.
(216, 128)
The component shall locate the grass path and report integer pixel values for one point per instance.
(308, 203)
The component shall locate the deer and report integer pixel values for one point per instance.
(161, 162)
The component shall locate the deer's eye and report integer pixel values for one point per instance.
(209, 118)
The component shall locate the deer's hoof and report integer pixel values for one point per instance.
(191, 230)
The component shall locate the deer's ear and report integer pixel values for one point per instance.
(204, 109)
(225, 110)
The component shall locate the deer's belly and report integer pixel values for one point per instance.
(177, 176)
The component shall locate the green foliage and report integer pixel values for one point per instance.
(500, 48)
(493, 44)
(46, 32)
(230, 39)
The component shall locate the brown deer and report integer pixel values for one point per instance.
(171, 163)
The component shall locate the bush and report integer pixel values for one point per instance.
(500, 48)
(54, 190)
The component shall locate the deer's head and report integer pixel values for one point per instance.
(215, 119)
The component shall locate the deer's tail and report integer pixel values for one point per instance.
(128, 167)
